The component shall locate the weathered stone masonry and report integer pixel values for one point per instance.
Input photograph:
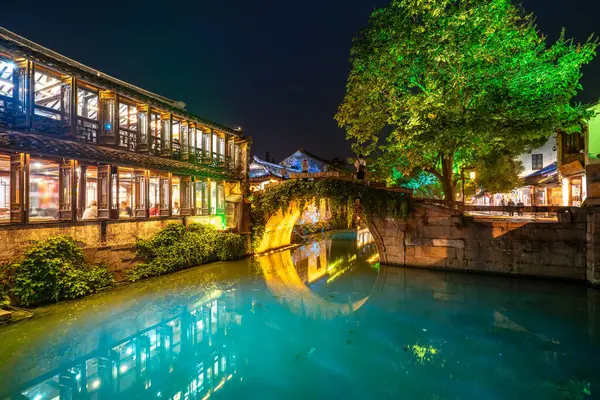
(110, 242)
(436, 237)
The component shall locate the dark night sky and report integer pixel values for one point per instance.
(276, 68)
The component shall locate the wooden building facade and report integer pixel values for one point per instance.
(79, 145)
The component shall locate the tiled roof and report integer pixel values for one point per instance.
(37, 144)
(543, 174)
(260, 169)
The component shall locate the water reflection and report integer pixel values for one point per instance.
(292, 276)
(320, 321)
(185, 356)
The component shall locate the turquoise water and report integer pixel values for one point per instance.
(321, 321)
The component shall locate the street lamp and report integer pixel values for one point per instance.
(472, 176)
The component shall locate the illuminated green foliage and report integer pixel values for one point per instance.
(341, 195)
(437, 85)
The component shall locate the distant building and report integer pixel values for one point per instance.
(579, 163)
(315, 163)
(540, 180)
(263, 173)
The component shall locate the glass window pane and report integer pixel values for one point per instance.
(220, 198)
(6, 78)
(48, 93)
(175, 194)
(87, 103)
(213, 197)
(43, 190)
(154, 195)
(87, 198)
(201, 198)
(4, 189)
(128, 123)
(155, 132)
(126, 193)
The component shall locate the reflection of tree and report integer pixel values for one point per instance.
(183, 356)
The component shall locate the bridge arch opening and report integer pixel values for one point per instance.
(279, 229)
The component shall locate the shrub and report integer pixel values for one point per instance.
(53, 270)
(177, 247)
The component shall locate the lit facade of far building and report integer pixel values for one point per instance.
(579, 163)
(541, 186)
(79, 146)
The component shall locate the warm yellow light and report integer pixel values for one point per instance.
(373, 259)
(472, 175)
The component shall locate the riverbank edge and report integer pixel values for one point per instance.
(17, 314)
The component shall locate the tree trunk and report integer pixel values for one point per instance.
(447, 177)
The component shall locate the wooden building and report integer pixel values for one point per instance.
(73, 139)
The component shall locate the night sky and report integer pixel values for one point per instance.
(276, 68)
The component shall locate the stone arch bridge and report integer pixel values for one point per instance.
(436, 236)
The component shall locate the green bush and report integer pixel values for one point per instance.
(52, 270)
(177, 247)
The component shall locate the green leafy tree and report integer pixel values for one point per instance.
(438, 85)
(498, 174)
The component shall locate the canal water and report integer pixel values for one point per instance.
(325, 320)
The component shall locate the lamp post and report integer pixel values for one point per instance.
(472, 176)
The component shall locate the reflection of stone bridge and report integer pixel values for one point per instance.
(288, 277)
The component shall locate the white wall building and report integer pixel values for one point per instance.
(539, 158)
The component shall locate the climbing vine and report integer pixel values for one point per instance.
(342, 196)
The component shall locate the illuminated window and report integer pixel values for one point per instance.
(4, 189)
(175, 194)
(6, 78)
(128, 125)
(140, 191)
(186, 195)
(184, 141)
(176, 133)
(206, 145)
(155, 133)
(143, 130)
(126, 193)
(43, 190)
(103, 191)
(154, 191)
(193, 134)
(202, 197)
(52, 96)
(87, 198)
(166, 135)
(217, 198)
(214, 145)
(87, 103)
(87, 114)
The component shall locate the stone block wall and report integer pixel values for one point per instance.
(434, 237)
(111, 242)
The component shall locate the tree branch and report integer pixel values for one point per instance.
(434, 172)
